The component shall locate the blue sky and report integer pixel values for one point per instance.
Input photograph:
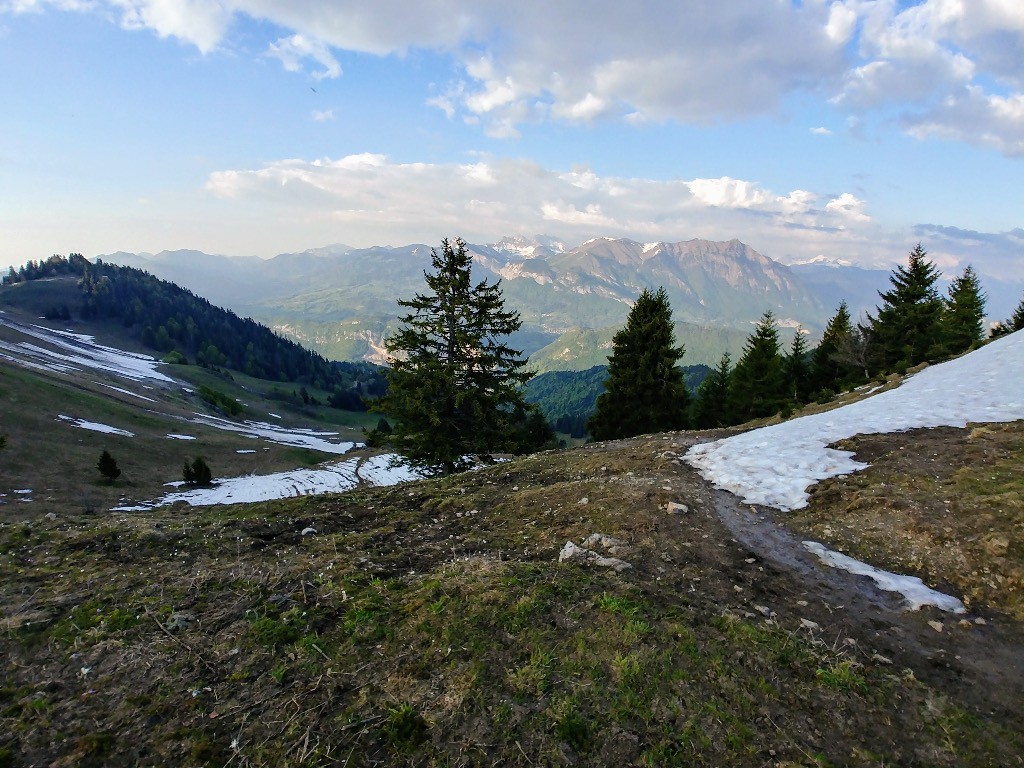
(849, 129)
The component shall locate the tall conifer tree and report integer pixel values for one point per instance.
(644, 391)
(455, 384)
(796, 367)
(711, 407)
(965, 313)
(827, 371)
(758, 386)
(908, 325)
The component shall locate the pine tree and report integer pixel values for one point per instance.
(758, 386)
(1015, 323)
(908, 325)
(827, 372)
(710, 408)
(108, 467)
(796, 368)
(965, 313)
(198, 472)
(455, 384)
(644, 391)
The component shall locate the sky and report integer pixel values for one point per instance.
(846, 129)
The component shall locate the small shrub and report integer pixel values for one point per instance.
(198, 472)
(108, 467)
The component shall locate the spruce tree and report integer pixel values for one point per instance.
(796, 368)
(107, 466)
(455, 384)
(1014, 323)
(964, 315)
(908, 325)
(710, 408)
(827, 372)
(758, 386)
(644, 391)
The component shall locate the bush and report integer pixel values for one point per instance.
(198, 472)
(108, 467)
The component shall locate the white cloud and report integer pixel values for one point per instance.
(375, 200)
(293, 50)
(697, 62)
(323, 115)
(974, 117)
(821, 131)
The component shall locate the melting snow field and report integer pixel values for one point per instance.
(74, 351)
(775, 465)
(343, 476)
(301, 438)
(94, 426)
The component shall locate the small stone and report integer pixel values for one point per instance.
(584, 500)
(179, 621)
(308, 531)
(676, 508)
(50, 515)
(763, 609)
(813, 626)
(936, 625)
(881, 659)
(980, 621)
(965, 623)
(737, 587)
(802, 603)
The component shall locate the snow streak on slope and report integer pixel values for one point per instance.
(294, 436)
(68, 351)
(776, 465)
(343, 476)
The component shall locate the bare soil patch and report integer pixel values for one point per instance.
(431, 624)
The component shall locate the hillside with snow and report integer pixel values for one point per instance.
(775, 465)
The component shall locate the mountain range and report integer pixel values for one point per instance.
(341, 301)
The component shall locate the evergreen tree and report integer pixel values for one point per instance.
(758, 385)
(964, 315)
(908, 325)
(455, 384)
(827, 372)
(1015, 323)
(796, 368)
(644, 391)
(198, 472)
(710, 408)
(108, 467)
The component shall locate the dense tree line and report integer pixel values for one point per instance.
(169, 319)
(913, 324)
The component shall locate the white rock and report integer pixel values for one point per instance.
(675, 508)
(308, 531)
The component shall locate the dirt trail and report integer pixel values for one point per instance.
(982, 663)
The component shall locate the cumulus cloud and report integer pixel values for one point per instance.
(379, 200)
(935, 62)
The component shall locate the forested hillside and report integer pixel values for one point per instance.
(174, 321)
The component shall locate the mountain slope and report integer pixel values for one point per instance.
(343, 301)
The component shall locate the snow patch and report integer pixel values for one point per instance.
(300, 438)
(95, 426)
(915, 592)
(74, 351)
(381, 470)
(181, 437)
(775, 465)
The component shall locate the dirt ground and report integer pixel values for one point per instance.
(432, 624)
